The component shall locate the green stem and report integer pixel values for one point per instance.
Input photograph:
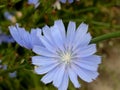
(81, 10)
(106, 36)
(105, 24)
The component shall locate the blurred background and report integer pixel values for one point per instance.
(103, 16)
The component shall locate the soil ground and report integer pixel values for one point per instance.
(109, 78)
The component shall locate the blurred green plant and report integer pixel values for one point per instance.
(101, 15)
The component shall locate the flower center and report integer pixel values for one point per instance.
(66, 57)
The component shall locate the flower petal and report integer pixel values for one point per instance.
(47, 34)
(81, 73)
(5, 38)
(80, 33)
(43, 51)
(73, 77)
(57, 37)
(42, 61)
(91, 60)
(61, 27)
(46, 43)
(25, 36)
(63, 1)
(35, 39)
(58, 77)
(21, 36)
(45, 69)
(87, 66)
(15, 35)
(64, 84)
(85, 50)
(82, 29)
(35, 2)
(70, 33)
(92, 74)
(49, 76)
(85, 40)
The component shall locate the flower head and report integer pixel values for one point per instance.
(66, 55)
(36, 3)
(24, 38)
(5, 38)
(13, 74)
(10, 17)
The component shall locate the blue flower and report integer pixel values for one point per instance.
(66, 55)
(64, 1)
(5, 38)
(10, 17)
(13, 74)
(24, 38)
(4, 67)
(34, 2)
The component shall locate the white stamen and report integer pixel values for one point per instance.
(66, 57)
